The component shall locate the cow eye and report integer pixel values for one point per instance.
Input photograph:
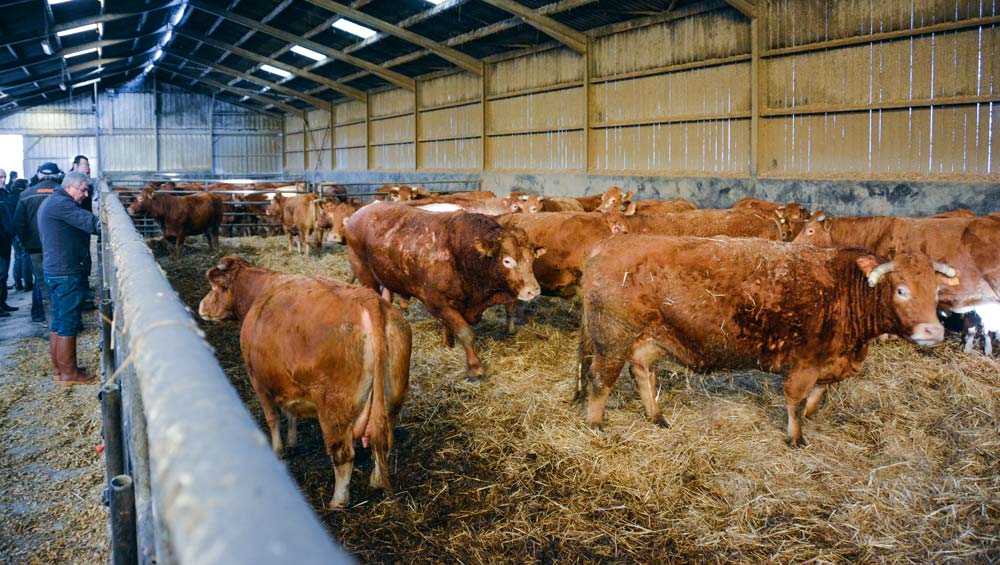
(810, 231)
(509, 262)
(903, 293)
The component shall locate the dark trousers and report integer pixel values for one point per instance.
(40, 294)
(4, 267)
(22, 265)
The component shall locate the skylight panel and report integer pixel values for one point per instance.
(308, 53)
(276, 71)
(356, 29)
(75, 30)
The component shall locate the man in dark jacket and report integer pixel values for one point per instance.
(26, 226)
(22, 263)
(65, 229)
(6, 239)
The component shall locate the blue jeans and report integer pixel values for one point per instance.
(22, 264)
(67, 294)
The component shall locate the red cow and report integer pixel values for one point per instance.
(333, 218)
(805, 312)
(791, 216)
(457, 264)
(318, 348)
(181, 216)
(299, 216)
(708, 223)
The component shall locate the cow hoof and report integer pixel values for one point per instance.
(801, 442)
(475, 379)
(596, 426)
(659, 421)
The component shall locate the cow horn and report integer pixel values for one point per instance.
(222, 266)
(945, 269)
(878, 272)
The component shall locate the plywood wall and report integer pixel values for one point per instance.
(858, 88)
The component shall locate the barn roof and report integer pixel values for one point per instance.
(242, 50)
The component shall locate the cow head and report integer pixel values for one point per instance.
(913, 282)
(528, 203)
(143, 203)
(333, 217)
(793, 218)
(816, 231)
(617, 221)
(613, 199)
(277, 206)
(512, 256)
(220, 302)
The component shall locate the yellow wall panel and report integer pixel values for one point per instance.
(348, 136)
(453, 154)
(720, 33)
(391, 102)
(458, 87)
(393, 157)
(451, 122)
(556, 66)
(349, 111)
(554, 151)
(718, 147)
(352, 159)
(560, 109)
(392, 130)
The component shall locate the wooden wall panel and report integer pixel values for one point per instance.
(798, 22)
(721, 33)
(351, 136)
(937, 65)
(355, 159)
(391, 102)
(393, 157)
(552, 151)
(392, 130)
(451, 154)
(713, 90)
(463, 121)
(293, 141)
(556, 66)
(458, 87)
(716, 147)
(349, 111)
(556, 110)
(293, 123)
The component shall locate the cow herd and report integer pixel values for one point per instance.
(710, 289)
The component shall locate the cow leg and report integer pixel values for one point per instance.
(387, 295)
(643, 358)
(180, 243)
(457, 326)
(288, 233)
(293, 431)
(813, 401)
(604, 372)
(970, 333)
(987, 343)
(340, 447)
(511, 312)
(304, 241)
(273, 421)
(798, 385)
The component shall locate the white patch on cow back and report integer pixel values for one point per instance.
(990, 315)
(440, 207)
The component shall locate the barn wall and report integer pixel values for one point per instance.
(854, 97)
(156, 128)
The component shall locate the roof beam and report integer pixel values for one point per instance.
(42, 92)
(393, 77)
(240, 92)
(341, 88)
(455, 56)
(62, 72)
(100, 44)
(746, 7)
(311, 100)
(223, 100)
(99, 19)
(562, 33)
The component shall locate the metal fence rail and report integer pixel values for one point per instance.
(207, 488)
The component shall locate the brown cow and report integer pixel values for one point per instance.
(457, 264)
(708, 223)
(299, 216)
(968, 244)
(568, 239)
(614, 199)
(956, 213)
(486, 206)
(792, 216)
(401, 193)
(534, 203)
(333, 218)
(181, 216)
(805, 312)
(316, 347)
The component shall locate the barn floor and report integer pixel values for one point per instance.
(903, 463)
(51, 477)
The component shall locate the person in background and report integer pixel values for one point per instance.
(26, 225)
(65, 229)
(22, 263)
(6, 239)
(81, 164)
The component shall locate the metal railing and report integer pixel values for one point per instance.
(192, 476)
(367, 190)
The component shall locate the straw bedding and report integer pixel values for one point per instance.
(903, 463)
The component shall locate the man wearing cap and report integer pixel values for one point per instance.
(6, 239)
(65, 229)
(26, 227)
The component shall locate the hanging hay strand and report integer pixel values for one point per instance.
(902, 464)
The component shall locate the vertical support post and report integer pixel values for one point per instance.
(156, 120)
(417, 152)
(111, 418)
(333, 136)
(368, 132)
(588, 71)
(122, 502)
(97, 131)
(483, 114)
(211, 136)
(305, 142)
(284, 145)
(754, 96)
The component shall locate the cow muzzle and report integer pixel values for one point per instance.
(927, 334)
(529, 292)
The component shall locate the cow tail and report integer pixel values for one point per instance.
(379, 369)
(585, 357)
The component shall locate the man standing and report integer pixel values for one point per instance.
(22, 263)
(6, 239)
(26, 226)
(65, 229)
(81, 164)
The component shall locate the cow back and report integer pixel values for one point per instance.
(707, 223)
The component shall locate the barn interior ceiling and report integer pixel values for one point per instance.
(289, 55)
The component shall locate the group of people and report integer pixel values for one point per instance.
(45, 227)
